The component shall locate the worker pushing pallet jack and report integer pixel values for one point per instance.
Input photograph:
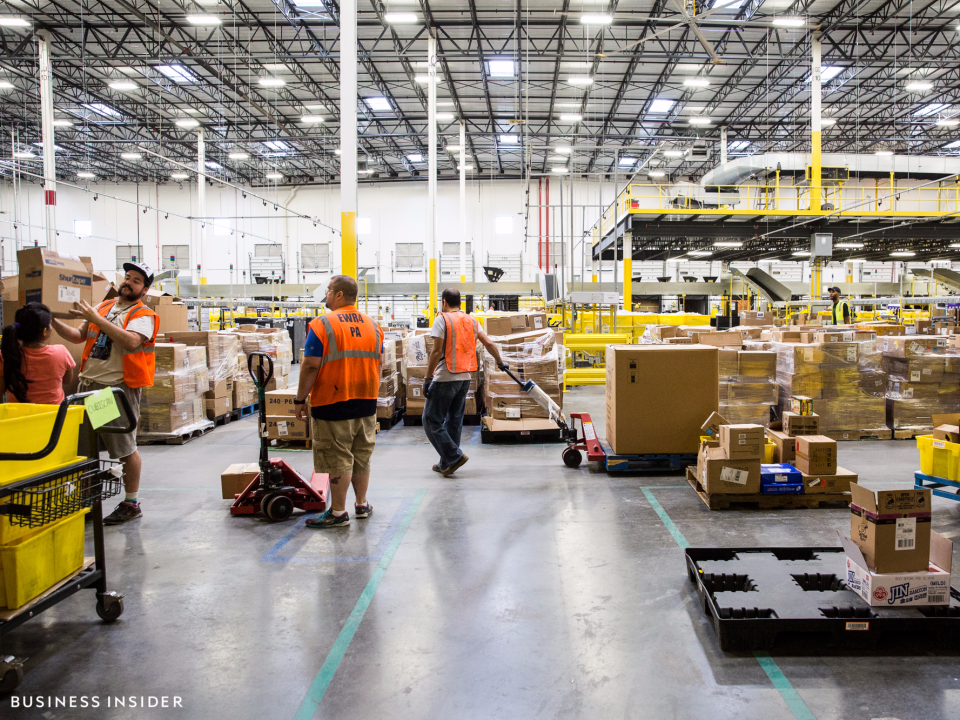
(278, 489)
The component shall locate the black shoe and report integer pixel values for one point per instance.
(124, 512)
(363, 511)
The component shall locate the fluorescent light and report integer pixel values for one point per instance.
(465, 167)
(955, 245)
(238, 156)
(4, 85)
(580, 80)
(827, 121)
(509, 139)
(105, 110)
(177, 73)
(919, 86)
(273, 176)
(700, 121)
(595, 19)
(696, 82)
(902, 253)
(415, 157)
(13, 22)
(62, 123)
(700, 253)
(131, 156)
(444, 103)
(559, 170)
(829, 72)
(312, 119)
(673, 153)
(424, 79)
(787, 21)
(203, 20)
(801, 253)
(453, 148)
(571, 117)
(271, 82)
(86, 175)
(501, 68)
(948, 122)
(728, 244)
(400, 18)
(445, 117)
(187, 123)
(656, 173)
(23, 155)
(179, 176)
(849, 245)
(661, 105)
(378, 103)
(337, 152)
(563, 150)
(123, 85)
(364, 172)
(883, 153)
(274, 67)
(627, 162)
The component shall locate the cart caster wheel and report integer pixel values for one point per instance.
(572, 458)
(11, 674)
(110, 607)
(277, 507)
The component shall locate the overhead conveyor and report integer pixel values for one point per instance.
(763, 285)
(947, 277)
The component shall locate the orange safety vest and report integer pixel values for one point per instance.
(350, 364)
(460, 342)
(138, 365)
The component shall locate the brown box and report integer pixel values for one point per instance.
(816, 455)
(891, 528)
(171, 316)
(786, 451)
(171, 357)
(712, 425)
(285, 427)
(752, 317)
(720, 339)
(220, 388)
(913, 346)
(795, 425)
(742, 442)
(757, 363)
(729, 359)
(217, 407)
(839, 482)
(718, 474)
(948, 433)
(54, 280)
(279, 403)
(235, 479)
(536, 321)
(277, 382)
(506, 324)
(658, 395)
(386, 407)
(244, 392)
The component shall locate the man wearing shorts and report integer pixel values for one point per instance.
(341, 375)
(119, 334)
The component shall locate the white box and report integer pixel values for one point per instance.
(902, 589)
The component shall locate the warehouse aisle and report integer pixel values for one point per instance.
(518, 589)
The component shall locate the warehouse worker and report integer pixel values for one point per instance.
(120, 334)
(841, 308)
(453, 358)
(341, 375)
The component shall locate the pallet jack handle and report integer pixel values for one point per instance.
(541, 398)
(262, 376)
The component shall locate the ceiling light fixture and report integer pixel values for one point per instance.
(124, 85)
(948, 122)
(415, 157)
(902, 253)
(883, 153)
(673, 153)
(696, 82)
(131, 156)
(559, 170)
(14, 22)
(849, 245)
(445, 117)
(801, 253)
(571, 117)
(312, 119)
(595, 19)
(179, 176)
(238, 156)
(400, 18)
(274, 176)
(23, 155)
(337, 152)
(728, 244)
(86, 175)
(580, 80)
(187, 123)
(700, 121)
(4, 85)
(788, 21)
(919, 86)
(271, 82)
(60, 122)
(203, 20)
(465, 167)
(656, 173)
(700, 253)
(827, 121)
(563, 150)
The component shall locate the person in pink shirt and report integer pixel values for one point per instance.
(30, 370)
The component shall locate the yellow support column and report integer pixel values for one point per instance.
(348, 244)
(627, 283)
(815, 174)
(432, 311)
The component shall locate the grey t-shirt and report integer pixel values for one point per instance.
(442, 373)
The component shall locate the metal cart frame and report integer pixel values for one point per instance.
(44, 499)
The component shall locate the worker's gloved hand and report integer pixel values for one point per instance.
(426, 387)
(503, 366)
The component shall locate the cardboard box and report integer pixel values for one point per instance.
(751, 317)
(742, 442)
(786, 451)
(718, 474)
(217, 407)
(236, 478)
(801, 404)
(171, 357)
(891, 528)
(277, 382)
(839, 482)
(913, 346)
(279, 403)
(720, 339)
(796, 425)
(658, 395)
(712, 426)
(816, 455)
(386, 407)
(536, 321)
(286, 428)
(930, 586)
(507, 324)
(57, 281)
(220, 388)
(757, 363)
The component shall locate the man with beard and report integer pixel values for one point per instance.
(119, 334)
(341, 374)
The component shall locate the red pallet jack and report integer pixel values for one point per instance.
(587, 440)
(278, 489)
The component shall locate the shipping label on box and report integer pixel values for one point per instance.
(718, 474)
(286, 428)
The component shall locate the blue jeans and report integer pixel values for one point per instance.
(443, 419)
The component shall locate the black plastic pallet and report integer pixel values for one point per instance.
(387, 423)
(514, 437)
(766, 597)
(417, 420)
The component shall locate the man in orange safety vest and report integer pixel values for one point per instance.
(449, 369)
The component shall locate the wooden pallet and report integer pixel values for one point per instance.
(723, 501)
(843, 435)
(305, 444)
(177, 438)
(911, 433)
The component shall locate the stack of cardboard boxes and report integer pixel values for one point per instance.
(530, 355)
(389, 382)
(731, 463)
(175, 401)
(282, 422)
(222, 349)
(924, 380)
(274, 342)
(416, 353)
(748, 385)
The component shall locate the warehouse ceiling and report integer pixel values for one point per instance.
(540, 85)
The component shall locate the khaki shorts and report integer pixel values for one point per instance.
(344, 446)
(118, 445)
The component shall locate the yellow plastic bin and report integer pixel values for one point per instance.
(35, 562)
(26, 428)
(9, 531)
(939, 457)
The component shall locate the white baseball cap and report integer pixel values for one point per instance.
(141, 268)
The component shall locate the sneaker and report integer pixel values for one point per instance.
(327, 519)
(447, 472)
(124, 512)
(363, 511)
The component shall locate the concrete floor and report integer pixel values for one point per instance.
(519, 589)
